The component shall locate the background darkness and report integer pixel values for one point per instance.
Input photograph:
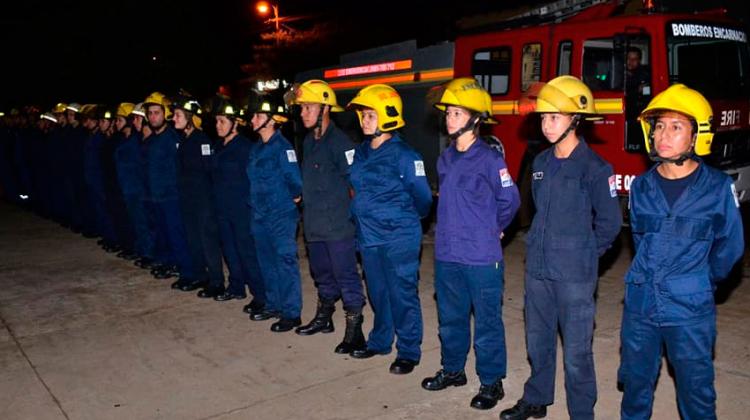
(102, 52)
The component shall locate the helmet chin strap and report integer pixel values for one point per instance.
(679, 161)
(318, 128)
(264, 124)
(470, 125)
(231, 129)
(573, 125)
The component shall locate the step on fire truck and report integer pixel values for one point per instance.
(625, 51)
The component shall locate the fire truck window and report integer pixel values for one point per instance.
(716, 68)
(565, 50)
(491, 68)
(599, 65)
(531, 65)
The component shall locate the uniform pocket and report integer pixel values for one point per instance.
(689, 295)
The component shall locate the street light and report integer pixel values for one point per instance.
(263, 7)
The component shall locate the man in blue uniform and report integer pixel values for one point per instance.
(478, 200)
(687, 233)
(577, 218)
(132, 184)
(275, 190)
(231, 190)
(161, 179)
(329, 231)
(194, 164)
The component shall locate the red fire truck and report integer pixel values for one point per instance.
(625, 51)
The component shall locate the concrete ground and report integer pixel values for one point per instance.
(86, 335)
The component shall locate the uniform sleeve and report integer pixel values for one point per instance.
(633, 197)
(606, 207)
(343, 149)
(415, 182)
(728, 243)
(505, 191)
(290, 170)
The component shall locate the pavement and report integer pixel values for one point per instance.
(86, 335)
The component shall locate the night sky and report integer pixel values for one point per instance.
(99, 51)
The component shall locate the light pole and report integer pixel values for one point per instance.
(263, 8)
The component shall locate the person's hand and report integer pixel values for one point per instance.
(297, 199)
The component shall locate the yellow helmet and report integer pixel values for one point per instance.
(567, 95)
(124, 109)
(466, 92)
(316, 92)
(158, 98)
(385, 101)
(680, 98)
(60, 107)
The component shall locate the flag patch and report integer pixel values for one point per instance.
(505, 179)
(612, 186)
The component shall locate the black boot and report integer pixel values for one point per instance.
(523, 410)
(353, 338)
(488, 396)
(322, 321)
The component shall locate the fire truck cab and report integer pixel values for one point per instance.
(626, 55)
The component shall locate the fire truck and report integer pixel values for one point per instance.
(625, 51)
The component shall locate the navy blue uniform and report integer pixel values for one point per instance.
(132, 182)
(161, 180)
(94, 174)
(478, 199)
(195, 158)
(232, 191)
(578, 216)
(275, 182)
(391, 195)
(329, 230)
(682, 252)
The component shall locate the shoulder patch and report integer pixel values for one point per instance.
(419, 168)
(537, 176)
(505, 179)
(206, 149)
(734, 194)
(291, 156)
(612, 180)
(349, 156)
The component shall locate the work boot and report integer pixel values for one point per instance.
(443, 379)
(322, 321)
(353, 337)
(523, 410)
(488, 396)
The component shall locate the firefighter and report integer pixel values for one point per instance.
(132, 181)
(118, 207)
(195, 158)
(578, 216)
(391, 195)
(231, 191)
(161, 181)
(329, 231)
(478, 200)
(275, 190)
(687, 233)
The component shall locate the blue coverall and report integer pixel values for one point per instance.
(329, 230)
(94, 174)
(161, 179)
(478, 200)
(682, 251)
(275, 182)
(577, 218)
(232, 189)
(391, 196)
(195, 158)
(132, 184)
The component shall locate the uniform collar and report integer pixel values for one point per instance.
(652, 178)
